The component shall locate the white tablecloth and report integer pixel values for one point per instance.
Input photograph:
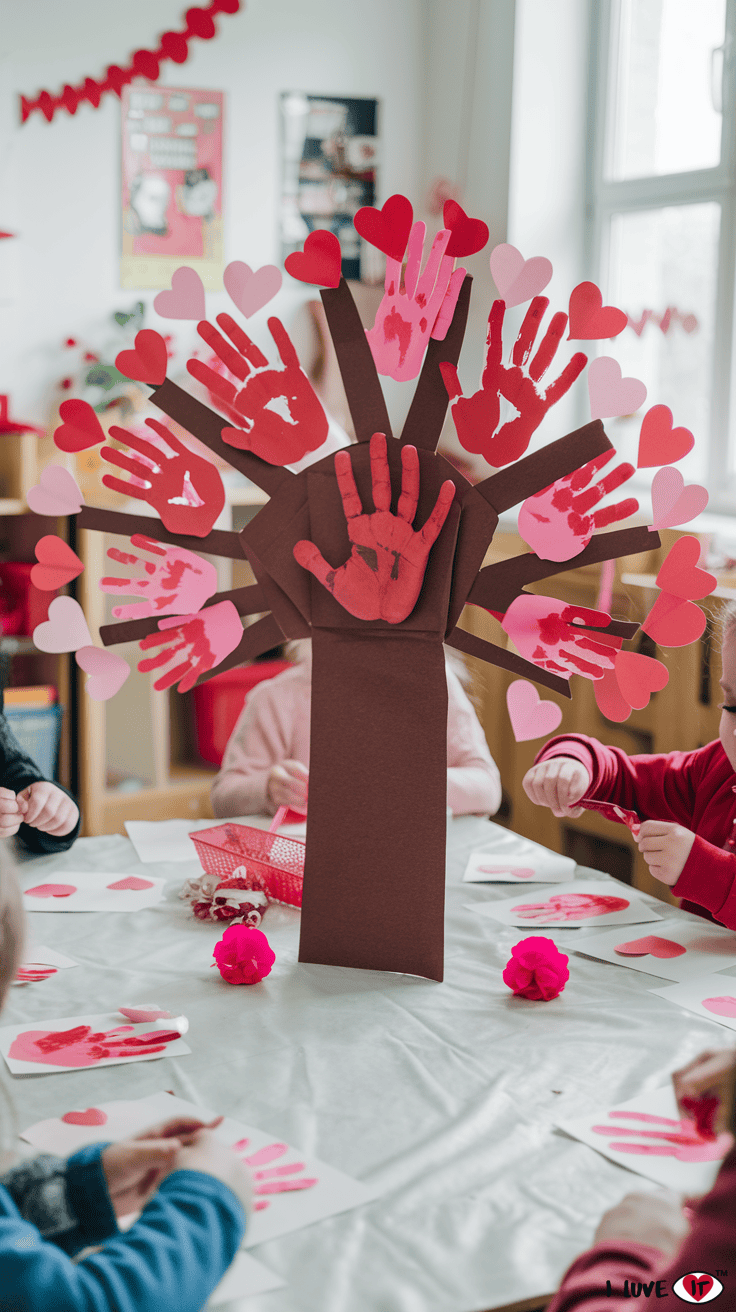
(443, 1094)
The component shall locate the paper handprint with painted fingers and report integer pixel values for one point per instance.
(284, 1179)
(200, 642)
(549, 633)
(176, 582)
(477, 418)
(558, 522)
(184, 489)
(278, 414)
(417, 309)
(676, 1138)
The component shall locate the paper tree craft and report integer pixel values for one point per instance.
(372, 553)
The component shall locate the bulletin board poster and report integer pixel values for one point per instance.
(329, 164)
(171, 185)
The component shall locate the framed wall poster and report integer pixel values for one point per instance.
(329, 158)
(171, 185)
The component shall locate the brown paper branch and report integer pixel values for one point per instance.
(506, 660)
(426, 416)
(247, 601)
(360, 379)
(218, 542)
(523, 478)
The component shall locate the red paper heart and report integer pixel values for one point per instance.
(81, 428)
(638, 677)
(320, 262)
(679, 573)
(388, 228)
(92, 1116)
(651, 946)
(609, 699)
(131, 882)
(147, 363)
(673, 622)
(697, 1285)
(659, 442)
(468, 235)
(51, 890)
(590, 319)
(57, 564)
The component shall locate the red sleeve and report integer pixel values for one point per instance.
(709, 878)
(661, 787)
(586, 1283)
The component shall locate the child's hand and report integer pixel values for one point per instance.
(205, 1152)
(558, 784)
(44, 806)
(134, 1168)
(287, 785)
(11, 813)
(656, 1219)
(665, 848)
(709, 1075)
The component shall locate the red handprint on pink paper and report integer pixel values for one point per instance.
(81, 1046)
(185, 489)
(548, 632)
(679, 1139)
(570, 906)
(202, 640)
(178, 582)
(478, 417)
(556, 522)
(383, 576)
(273, 1180)
(278, 413)
(422, 308)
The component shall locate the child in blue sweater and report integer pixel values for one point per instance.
(191, 1190)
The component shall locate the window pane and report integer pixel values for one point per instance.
(663, 266)
(663, 118)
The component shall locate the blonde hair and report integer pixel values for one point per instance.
(728, 620)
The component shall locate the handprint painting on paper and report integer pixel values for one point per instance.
(196, 643)
(184, 488)
(176, 582)
(679, 1139)
(417, 309)
(559, 521)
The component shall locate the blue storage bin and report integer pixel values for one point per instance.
(38, 732)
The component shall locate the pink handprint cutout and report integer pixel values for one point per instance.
(422, 308)
(278, 414)
(571, 906)
(557, 523)
(81, 1046)
(477, 418)
(548, 632)
(202, 640)
(679, 1139)
(178, 582)
(184, 489)
(383, 575)
(273, 1180)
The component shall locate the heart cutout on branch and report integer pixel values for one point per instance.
(320, 263)
(56, 493)
(659, 442)
(387, 229)
(674, 502)
(517, 279)
(468, 235)
(147, 363)
(590, 319)
(251, 289)
(81, 428)
(185, 300)
(530, 716)
(57, 564)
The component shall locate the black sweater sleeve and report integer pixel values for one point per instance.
(17, 771)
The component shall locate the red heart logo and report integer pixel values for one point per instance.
(638, 677)
(659, 442)
(679, 573)
(57, 564)
(51, 890)
(651, 946)
(590, 319)
(673, 622)
(696, 1286)
(468, 235)
(131, 882)
(320, 262)
(92, 1116)
(81, 428)
(147, 363)
(388, 228)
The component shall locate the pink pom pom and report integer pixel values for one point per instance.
(243, 955)
(536, 969)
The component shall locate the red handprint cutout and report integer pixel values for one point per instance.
(82, 1047)
(185, 489)
(547, 632)
(177, 583)
(203, 640)
(278, 413)
(422, 308)
(571, 906)
(478, 417)
(383, 576)
(679, 1139)
(273, 1180)
(556, 522)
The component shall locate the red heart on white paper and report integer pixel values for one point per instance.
(651, 946)
(92, 1116)
(530, 717)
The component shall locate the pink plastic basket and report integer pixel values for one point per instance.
(274, 864)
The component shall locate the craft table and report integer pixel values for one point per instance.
(444, 1095)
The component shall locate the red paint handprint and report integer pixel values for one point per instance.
(548, 632)
(571, 906)
(185, 489)
(203, 640)
(273, 1180)
(478, 417)
(81, 1046)
(556, 522)
(177, 583)
(278, 413)
(679, 1139)
(383, 576)
(422, 308)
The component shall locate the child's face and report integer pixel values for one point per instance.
(728, 686)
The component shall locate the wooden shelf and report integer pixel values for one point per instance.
(12, 506)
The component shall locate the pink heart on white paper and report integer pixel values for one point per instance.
(51, 890)
(610, 394)
(92, 1116)
(725, 1006)
(651, 945)
(517, 279)
(672, 501)
(65, 629)
(251, 289)
(106, 669)
(521, 872)
(55, 493)
(131, 883)
(530, 717)
(186, 298)
(145, 1011)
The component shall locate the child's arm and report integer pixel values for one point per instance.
(662, 786)
(48, 1191)
(473, 780)
(41, 802)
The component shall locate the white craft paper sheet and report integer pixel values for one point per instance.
(287, 1212)
(708, 948)
(634, 913)
(38, 955)
(690, 1178)
(511, 852)
(106, 1021)
(93, 893)
(168, 840)
(691, 993)
(244, 1279)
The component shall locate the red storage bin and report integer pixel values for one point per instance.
(21, 597)
(274, 864)
(219, 701)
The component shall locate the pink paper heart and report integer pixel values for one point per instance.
(144, 1012)
(725, 1006)
(530, 717)
(651, 946)
(133, 882)
(609, 393)
(57, 564)
(55, 493)
(251, 289)
(51, 890)
(521, 872)
(673, 502)
(106, 669)
(65, 629)
(92, 1116)
(186, 298)
(517, 279)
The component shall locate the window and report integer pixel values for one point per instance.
(662, 215)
